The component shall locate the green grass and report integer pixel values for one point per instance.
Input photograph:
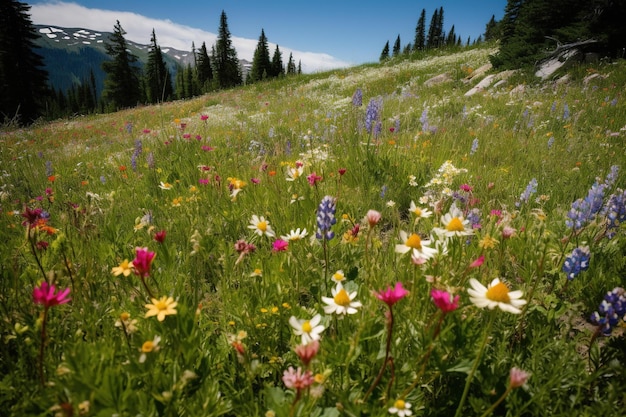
(226, 349)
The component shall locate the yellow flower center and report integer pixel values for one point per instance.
(342, 298)
(417, 212)
(262, 226)
(306, 327)
(147, 346)
(414, 242)
(161, 304)
(399, 404)
(499, 293)
(455, 225)
(124, 316)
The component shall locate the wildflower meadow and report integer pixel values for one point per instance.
(349, 243)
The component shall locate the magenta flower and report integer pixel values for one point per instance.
(45, 294)
(341, 171)
(478, 262)
(255, 180)
(143, 261)
(444, 301)
(280, 245)
(313, 178)
(204, 117)
(296, 379)
(390, 296)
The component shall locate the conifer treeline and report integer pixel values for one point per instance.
(25, 95)
(436, 37)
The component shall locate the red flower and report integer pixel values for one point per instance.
(160, 236)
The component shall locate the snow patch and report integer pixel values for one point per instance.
(51, 35)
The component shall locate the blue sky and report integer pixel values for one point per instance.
(322, 34)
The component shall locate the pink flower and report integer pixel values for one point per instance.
(244, 247)
(45, 294)
(280, 245)
(207, 148)
(296, 379)
(203, 181)
(466, 187)
(313, 178)
(518, 377)
(444, 301)
(307, 352)
(255, 180)
(373, 217)
(507, 232)
(143, 261)
(342, 171)
(204, 117)
(392, 295)
(478, 262)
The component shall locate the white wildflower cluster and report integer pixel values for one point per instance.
(438, 188)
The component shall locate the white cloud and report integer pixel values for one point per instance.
(169, 34)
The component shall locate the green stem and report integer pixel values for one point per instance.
(497, 403)
(387, 355)
(468, 381)
(42, 377)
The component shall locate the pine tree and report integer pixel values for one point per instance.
(204, 69)
(451, 38)
(291, 66)
(158, 79)
(441, 35)
(433, 31)
(396, 47)
(277, 68)
(420, 32)
(23, 79)
(299, 66)
(384, 55)
(261, 63)
(121, 86)
(227, 70)
(492, 29)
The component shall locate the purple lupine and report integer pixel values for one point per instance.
(615, 212)
(611, 311)
(372, 113)
(576, 262)
(584, 210)
(531, 188)
(357, 98)
(326, 218)
(474, 146)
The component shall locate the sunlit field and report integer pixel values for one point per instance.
(350, 243)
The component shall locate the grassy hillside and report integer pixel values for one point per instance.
(360, 242)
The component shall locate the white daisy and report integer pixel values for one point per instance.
(294, 235)
(338, 276)
(401, 408)
(261, 226)
(165, 185)
(341, 301)
(418, 212)
(309, 330)
(454, 224)
(496, 294)
(293, 173)
(420, 249)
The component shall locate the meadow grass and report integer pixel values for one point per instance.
(229, 309)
